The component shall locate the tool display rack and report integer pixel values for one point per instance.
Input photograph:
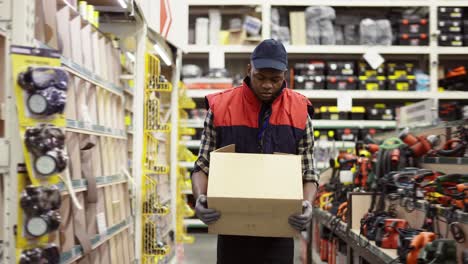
(348, 233)
(237, 56)
(157, 247)
(184, 183)
(101, 105)
(95, 110)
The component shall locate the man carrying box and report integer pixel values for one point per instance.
(261, 116)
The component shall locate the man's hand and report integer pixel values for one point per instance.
(206, 215)
(301, 221)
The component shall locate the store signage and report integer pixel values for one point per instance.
(417, 115)
(161, 17)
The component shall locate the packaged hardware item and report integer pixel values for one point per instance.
(41, 205)
(453, 40)
(421, 39)
(364, 69)
(324, 134)
(449, 111)
(368, 32)
(450, 26)
(332, 113)
(46, 88)
(423, 81)
(310, 68)
(341, 82)
(48, 254)
(339, 36)
(414, 25)
(319, 25)
(345, 68)
(327, 32)
(402, 83)
(350, 34)
(380, 112)
(455, 80)
(358, 113)
(372, 83)
(309, 82)
(347, 134)
(46, 143)
(191, 71)
(398, 69)
(384, 32)
(450, 13)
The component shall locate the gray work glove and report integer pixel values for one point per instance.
(206, 215)
(301, 221)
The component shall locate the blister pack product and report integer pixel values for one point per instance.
(384, 32)
(368, 32)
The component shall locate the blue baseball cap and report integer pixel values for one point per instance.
(270, 54)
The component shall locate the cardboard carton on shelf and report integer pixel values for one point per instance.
(237, 36)
(255, 193)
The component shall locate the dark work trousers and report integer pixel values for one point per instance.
(255, 250)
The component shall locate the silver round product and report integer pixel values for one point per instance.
(37, 104)
(46, 165)
(37, 226)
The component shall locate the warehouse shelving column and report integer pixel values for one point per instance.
(18, 25)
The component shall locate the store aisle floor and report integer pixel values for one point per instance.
(203, 251)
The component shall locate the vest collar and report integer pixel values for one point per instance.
(250, 95)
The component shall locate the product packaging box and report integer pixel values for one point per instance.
(255, 193)
(413, 39)
(453, 40)
(414, 25)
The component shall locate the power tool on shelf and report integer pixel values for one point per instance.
(417, 244)
(421, 145)
(457, 146)
(404, 242)
(441, 251)
(387, 234)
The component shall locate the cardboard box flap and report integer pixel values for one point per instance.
(264, 176)
(227, 149)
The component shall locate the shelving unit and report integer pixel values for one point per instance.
(357, 95)
(358, 203)
(104, 107)
(383, 124)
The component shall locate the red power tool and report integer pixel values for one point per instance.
(387, 236)
(362, 174)
(418, 243)
(421, 145)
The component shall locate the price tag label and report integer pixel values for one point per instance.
(345, 103)
(373, 58)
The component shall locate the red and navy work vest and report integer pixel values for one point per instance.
(238, 120)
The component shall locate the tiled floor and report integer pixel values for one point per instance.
(203, 251)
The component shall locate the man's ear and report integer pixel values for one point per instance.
(249, 69)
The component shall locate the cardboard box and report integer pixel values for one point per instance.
(298, 28)
(75, 37)
(255, 193)
(63, 31)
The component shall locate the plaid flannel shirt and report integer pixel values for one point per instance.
(305, 148)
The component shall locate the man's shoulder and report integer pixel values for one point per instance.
(296, 95)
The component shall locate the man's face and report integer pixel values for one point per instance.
(266, 83)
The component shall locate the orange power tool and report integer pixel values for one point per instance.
(418, 243)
